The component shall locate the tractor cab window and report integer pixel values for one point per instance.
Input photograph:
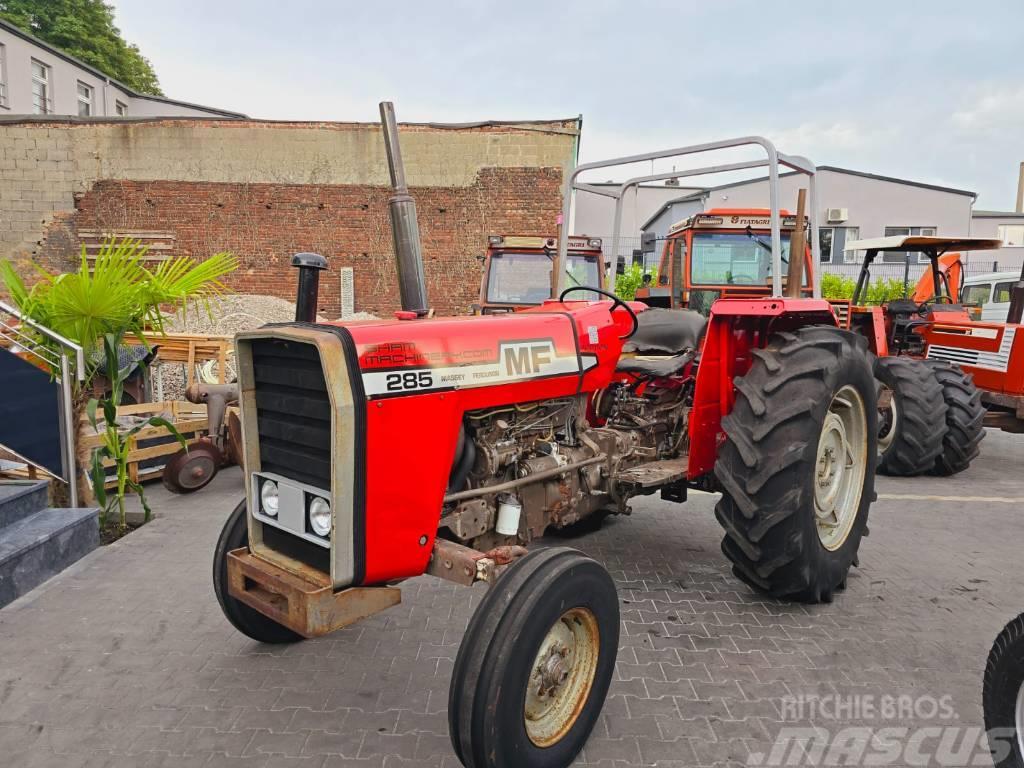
(734, 258)
(525, 278)
(977, 294)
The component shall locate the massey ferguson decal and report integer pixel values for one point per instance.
(420, 372)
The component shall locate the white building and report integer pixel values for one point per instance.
(38, 79)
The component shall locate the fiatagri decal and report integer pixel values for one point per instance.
(517, 361)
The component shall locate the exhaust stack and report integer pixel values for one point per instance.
(309, 265)
(405, 229)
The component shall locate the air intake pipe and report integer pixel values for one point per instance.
(405, 229)
(309, 265)
(1016, 311)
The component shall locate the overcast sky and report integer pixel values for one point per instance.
(931, 91)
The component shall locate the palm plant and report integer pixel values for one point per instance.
(115, 294)
(111, 296)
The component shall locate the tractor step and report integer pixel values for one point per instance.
(653, 474)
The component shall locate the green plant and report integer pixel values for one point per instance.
(115, 294)
(104, 300)
(117, 444)
(632, 279)
(879, 291)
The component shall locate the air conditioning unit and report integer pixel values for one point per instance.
(836, 215)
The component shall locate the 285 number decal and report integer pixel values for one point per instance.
(400, 382)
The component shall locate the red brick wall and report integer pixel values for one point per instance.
(264, 224)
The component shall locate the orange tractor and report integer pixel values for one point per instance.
(930, 411)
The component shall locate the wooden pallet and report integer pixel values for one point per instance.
(191, 349)
(153, 446)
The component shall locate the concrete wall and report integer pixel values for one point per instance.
(65, 75)
(266, 190)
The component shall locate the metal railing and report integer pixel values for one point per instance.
(68, 358)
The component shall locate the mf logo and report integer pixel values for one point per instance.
(526, 358)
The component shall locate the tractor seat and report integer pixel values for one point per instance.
(657, 367)
(666, 330)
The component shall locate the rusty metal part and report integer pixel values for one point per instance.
(520, 481)
(216, 397)
(464, 565)
(506, 554)
(234, 438)
(469, 519)
(311, 608)
(193, 467)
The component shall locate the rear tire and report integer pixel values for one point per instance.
(1003, 696)
(795, 490)
(965, 416)
(535, 664)
(912, 428)
(246, 620)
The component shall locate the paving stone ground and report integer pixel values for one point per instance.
(126, 660)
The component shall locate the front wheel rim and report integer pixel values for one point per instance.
(840, 467)
(561, 676)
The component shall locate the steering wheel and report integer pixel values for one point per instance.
(608, 294)
(942, 298)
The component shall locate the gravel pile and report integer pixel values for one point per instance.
(227, 316)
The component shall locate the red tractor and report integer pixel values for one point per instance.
(378, 451)
(518, 270)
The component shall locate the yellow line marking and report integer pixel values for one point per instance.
(916, 497)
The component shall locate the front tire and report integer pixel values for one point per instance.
(965, 417)
(912, 416)
(246, 620)
(1003, 696)
(535, 664)
(798, 463)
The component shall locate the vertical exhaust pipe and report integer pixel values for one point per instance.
(405, 230)
(309, 265)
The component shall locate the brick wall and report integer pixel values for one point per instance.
(267, 190)
(264, 224)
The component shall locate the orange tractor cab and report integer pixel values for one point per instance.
(721, 253)
(935, 327)
(518, 270)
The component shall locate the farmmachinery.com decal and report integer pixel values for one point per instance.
(517, 361)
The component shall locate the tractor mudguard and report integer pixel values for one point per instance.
(736, 327)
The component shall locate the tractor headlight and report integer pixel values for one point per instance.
(269, 498)
(320, 516)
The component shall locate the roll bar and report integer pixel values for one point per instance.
(773, 159)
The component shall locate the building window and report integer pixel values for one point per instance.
(84, 100)
(833, 240)
(42, 99)
(3, 75)
(120, 108)
(1012, 235)
(898, 257)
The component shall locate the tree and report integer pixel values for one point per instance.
(84, 29)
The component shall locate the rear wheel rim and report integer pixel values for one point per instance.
(840, 467)
(561, 676)
(1018, 719)
(888, 419)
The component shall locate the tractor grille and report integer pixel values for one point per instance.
(293, 411)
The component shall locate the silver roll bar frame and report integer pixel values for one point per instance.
(773, 159)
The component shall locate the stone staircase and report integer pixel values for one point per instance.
(38, 541)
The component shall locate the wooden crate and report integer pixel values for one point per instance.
(152, 447)
(190, 349)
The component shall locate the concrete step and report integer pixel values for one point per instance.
(20, 498)
(43, 544)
